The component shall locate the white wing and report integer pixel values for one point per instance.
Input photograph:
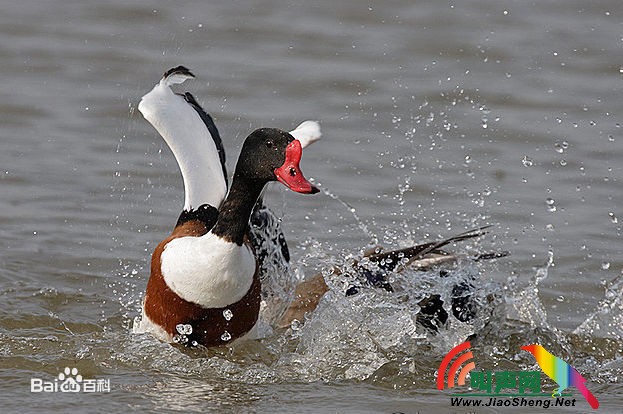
(192, 137)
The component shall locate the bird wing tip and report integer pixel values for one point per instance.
(175, 75)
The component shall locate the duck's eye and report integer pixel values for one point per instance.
(269, 144)
(292, 171)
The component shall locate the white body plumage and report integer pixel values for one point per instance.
(208, 270)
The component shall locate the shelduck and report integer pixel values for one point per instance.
(204, 287)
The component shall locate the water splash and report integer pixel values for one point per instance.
(526, 305)
(353, 211)
(376, 335)
(607, 320)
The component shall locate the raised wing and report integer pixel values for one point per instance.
(192, 136)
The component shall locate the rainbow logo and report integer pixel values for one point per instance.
(462, 359)
(560, 372)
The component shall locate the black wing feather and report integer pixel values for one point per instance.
(209, 122)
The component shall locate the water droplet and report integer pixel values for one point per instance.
(295, 325)
(605, 265)
(560, 298)
(184, 329)
(527, 162)
(613, 218)
(551, 207)
(226, 336)
(560, 147)
(563, 162)
(180, 339)
(227, 314)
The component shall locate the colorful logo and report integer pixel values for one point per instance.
(467, 356)
(561, 372)
(523, 387)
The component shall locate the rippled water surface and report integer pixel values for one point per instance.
(437, 117)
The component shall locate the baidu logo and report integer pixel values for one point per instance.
(70, 381)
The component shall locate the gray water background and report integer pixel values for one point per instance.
(437, 117)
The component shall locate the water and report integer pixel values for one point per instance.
(436, 117)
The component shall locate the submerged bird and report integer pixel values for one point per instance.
(204, 286)
(376, 265)
(561, 372)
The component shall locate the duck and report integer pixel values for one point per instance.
(205, 286)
